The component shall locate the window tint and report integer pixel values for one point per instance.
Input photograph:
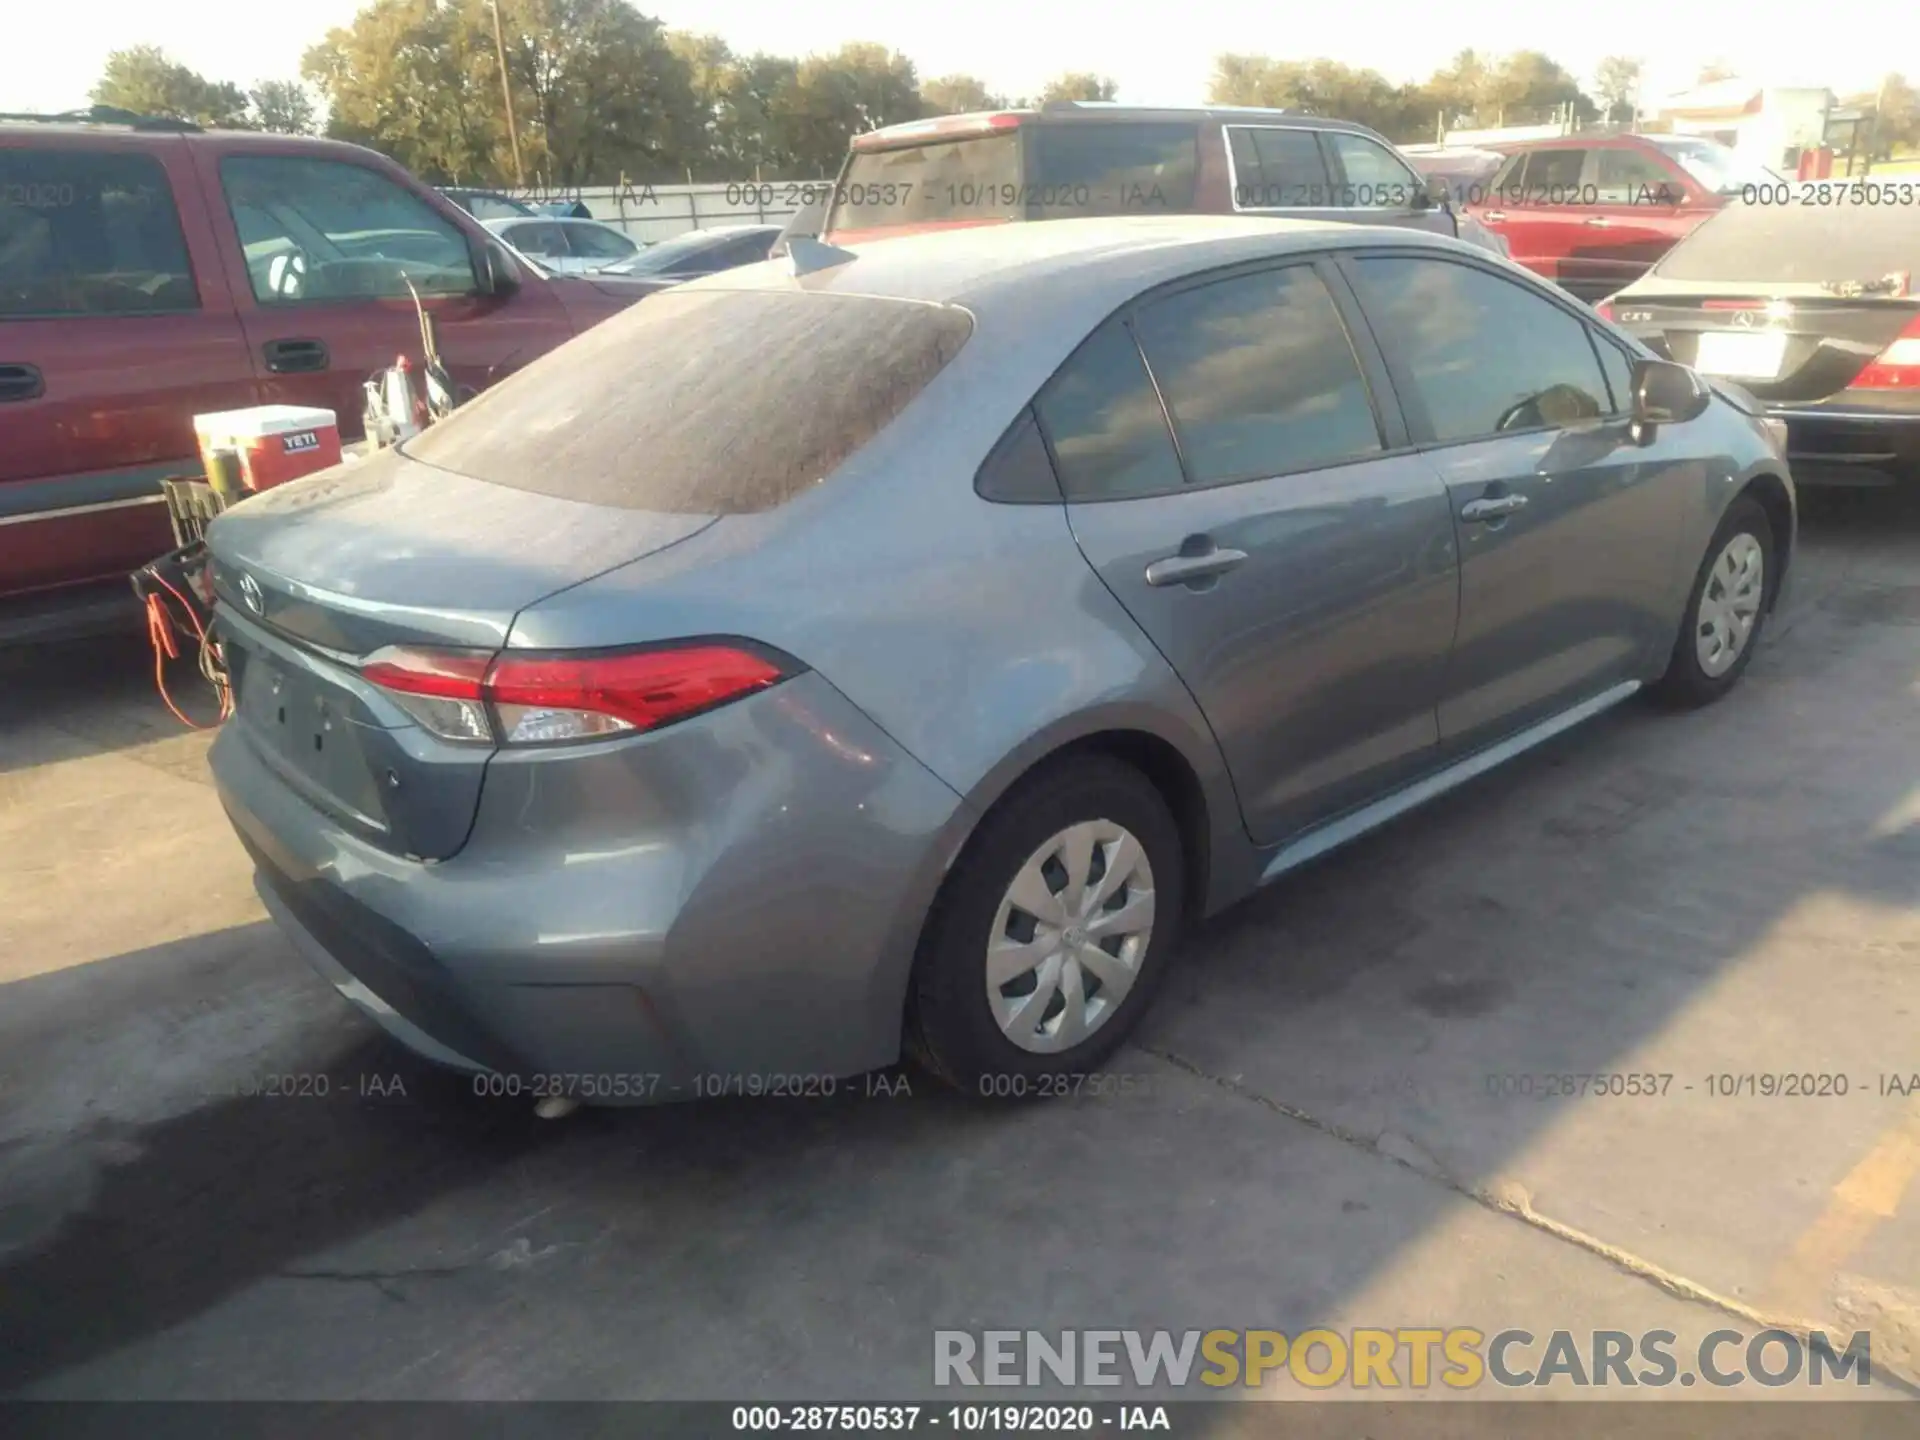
(596, 243)
(325, 230)
(1482, 354)
(1103, 168)
(1632, 177)
(89, 234)
(747, 250)
(1108, 433)
(1375, 178)
(702, 402)
(1276, 169)
(1019, 471)
(1509, 179)
(1259, 375)
(973, 179)
(1553, 177)
(1619, 371)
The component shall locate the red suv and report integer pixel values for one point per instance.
(150, 272)
(1594, 213)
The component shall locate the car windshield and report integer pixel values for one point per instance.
(1798, 245)
(1716, 167)
(672, 254)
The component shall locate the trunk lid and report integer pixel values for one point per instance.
(313, 577)
(1797, 347)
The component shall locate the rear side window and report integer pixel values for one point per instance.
(1479, 354)
(1276, 169)
(327, 230)
(1259, 375)
(976, 178)
(89, 233)
(702, 402)
(1103, 168)
(1553, 177)
(1104, 422)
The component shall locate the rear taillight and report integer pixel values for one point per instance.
(1897, 367)
(1605, 309)
(545, 699)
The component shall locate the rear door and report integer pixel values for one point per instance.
(324, 249)
(1543, 204)
(1267, 530)
(1634, 216)
(1567, 530)
(116, 329)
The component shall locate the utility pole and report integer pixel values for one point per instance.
(506, 94)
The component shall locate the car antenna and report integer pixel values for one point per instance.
(807, 256)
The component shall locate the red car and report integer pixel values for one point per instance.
(150, 272)
(1594, 213)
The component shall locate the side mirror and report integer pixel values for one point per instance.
(494, 272)
(1666, 394)
(1433, 195)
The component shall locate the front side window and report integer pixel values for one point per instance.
(1479, 354)
(1104, 423)
(1277, 169)
(541, 240)
(327, 230)
(1632, 177)
(1259, 376)
(89, 233)
(1375, 178)
(594, 242)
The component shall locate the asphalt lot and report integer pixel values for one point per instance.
(1311, 1135)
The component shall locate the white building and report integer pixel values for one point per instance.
(1765, 124)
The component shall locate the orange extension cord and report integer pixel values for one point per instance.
(160, 630)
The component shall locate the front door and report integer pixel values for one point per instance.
(1299, 580)
(1567, 529)
(1633, 218)
(331, 248)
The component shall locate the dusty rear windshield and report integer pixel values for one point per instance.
(1794, 243)
(709, 402)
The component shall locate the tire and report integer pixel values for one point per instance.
(1691, 680)
(952, 1025)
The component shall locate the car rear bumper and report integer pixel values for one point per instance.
(727, 906)
(1851, 445)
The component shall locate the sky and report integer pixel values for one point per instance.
(54, 51)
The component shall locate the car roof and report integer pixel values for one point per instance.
(1590, 141)
(1083, 112)
(1063, 268)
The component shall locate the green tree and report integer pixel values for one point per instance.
(1896, 117)
(145, 80)
(283, 106)
(1528, 87)
(1079, 85)
(959, 95)
(832, 98)
(1314, 87)
(1616, 84)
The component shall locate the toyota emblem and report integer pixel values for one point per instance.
(250, 592)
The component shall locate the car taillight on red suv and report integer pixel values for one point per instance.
(476, 698)
(1897, 367)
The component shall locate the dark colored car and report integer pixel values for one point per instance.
(1805, 297)
(1465, 172)
(1592, 213)
(1074, 159)
(698, 252)
(487, 204)
(150, 274)
(909, 649)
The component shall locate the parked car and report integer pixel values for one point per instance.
(912, 646)
(566, 246)
(1806, 299)
(488, 204)
(1464, 171)
(150, 272)
(1076, 159)
(699, 252)
(1593, 213)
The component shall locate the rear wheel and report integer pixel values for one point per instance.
(1051, 934)
(1725, 611)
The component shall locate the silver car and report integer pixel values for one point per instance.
(565, 245)
(903, 645)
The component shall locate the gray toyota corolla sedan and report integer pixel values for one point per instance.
(901, 646)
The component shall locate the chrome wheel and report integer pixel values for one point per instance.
(1730, 604)
(1069, 937)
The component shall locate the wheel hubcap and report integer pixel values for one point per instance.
(1070, 936)
(1730, 604)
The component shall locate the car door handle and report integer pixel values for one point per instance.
(1492, 217)
(1598, 221)
(295, 357)
(21, 382)
(1185, 569)
(1492, 507)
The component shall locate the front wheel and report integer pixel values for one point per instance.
(1725, 611)
(1051, 933)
